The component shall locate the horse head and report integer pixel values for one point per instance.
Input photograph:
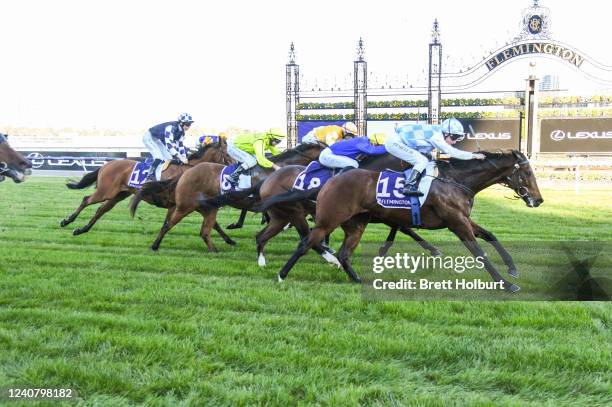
(214, 153)
(12, 163)
(523, 182)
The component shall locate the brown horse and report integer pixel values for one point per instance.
(448, 204)
(203, 181)
(112, 183)
(12, 164)
(292, 207)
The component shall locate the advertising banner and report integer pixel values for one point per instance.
(490, 134)
(69, 160)
(576, 135)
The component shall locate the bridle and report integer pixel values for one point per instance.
(3, 167)
(514, 181)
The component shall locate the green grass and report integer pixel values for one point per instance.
(122, 325)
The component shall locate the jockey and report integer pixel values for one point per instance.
(412, 142)
(330, 134)
(206, 139)
(250, 150)
(165, 142)
(345, 153)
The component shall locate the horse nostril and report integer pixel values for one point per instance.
(25, 164)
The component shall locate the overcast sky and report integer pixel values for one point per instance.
(128, 65)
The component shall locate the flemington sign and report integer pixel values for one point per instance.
(548, 47)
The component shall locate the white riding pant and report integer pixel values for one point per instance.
(310, 138)
(247, 160)
(331, 160)
(157, 149)
(396, 147)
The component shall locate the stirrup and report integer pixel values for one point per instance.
(412, 190)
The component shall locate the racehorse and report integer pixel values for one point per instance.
(204, 180)
(448, 204)
(113, 178)
(12, 164)
(292, 207)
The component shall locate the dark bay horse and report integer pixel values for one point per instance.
(112, 182)
(448, 205)
(203, 181)
(12, 164)
(293, 207)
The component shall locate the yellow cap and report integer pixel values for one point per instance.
(277, 132)
(223, 135)
(378, 138)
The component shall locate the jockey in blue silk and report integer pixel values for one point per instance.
(412, 142)
(344, 153)
(210, 138)
(165, 142)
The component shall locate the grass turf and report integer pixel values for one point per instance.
(121, 325)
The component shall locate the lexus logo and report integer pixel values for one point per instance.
(557, 135)
(35, 159)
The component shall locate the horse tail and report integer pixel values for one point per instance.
(87, 180)
(151, 190)
(291, 196)
(232, 197)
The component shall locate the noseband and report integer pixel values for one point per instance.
(3, 167)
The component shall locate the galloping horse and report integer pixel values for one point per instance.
(292, 207)
(12, 164)
(112, 182)
(204, 180)
(448, 204)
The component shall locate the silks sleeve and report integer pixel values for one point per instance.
(260, 154)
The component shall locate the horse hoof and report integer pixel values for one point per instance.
(382, 251)
(233, 226)
(331, 259)
(280, 279)
(436, 253)
(77, 232)
(261, 260)
(513, 272)
(63, 223)
(155, 248)
(511, 288)
(230, 242)
(356, 279)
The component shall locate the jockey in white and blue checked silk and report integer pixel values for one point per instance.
(165, 142)
(412, 142)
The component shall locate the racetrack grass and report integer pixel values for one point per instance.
(102, 314)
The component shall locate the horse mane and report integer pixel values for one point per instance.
(290, 152)
(199, 153)
(455, 163)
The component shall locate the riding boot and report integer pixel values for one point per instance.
(234, 177)
(345, 169)
(152, 169)
(411, 186)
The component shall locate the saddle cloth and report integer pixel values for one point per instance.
(315, 175)
(141, 172)
(244, 180)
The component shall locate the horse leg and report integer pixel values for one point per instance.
(422, 242)
(300, 224)
(240, 222)
(490, 237)
(174, 216)
(106, 206)
(210, 219)
(224, 235)
(382, 251)
(84, 203)
(273, 228)
(353, 230)
(463, 230)
(314, 237)
(265, 218)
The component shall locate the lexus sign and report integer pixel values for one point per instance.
(576, 135)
